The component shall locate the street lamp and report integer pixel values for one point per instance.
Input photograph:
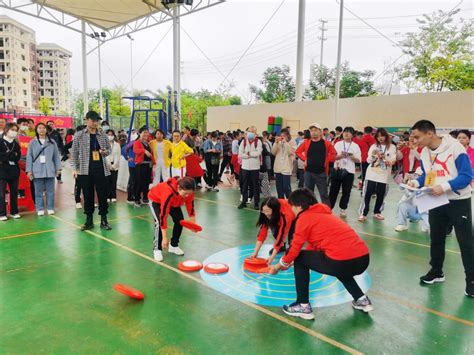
(98, 36)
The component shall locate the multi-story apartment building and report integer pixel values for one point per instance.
(53, 70)
(18, 76)
(29, 71)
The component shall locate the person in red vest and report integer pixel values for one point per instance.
(317, 153)
(365, 143)
(332, 248)
(276, 215)
(166, 200)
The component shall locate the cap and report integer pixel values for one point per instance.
(94, 116)
(315, 125)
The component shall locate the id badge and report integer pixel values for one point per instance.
(430, 178)
(43, 159)
(95, 155)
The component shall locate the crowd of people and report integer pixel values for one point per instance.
(165, 169)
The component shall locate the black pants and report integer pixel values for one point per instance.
(321, 182)
(13, 186)
(94, 181)
(371, 187)
(457, 213)
(300, 176)
(364, 170)
(212, 174)
(283, 185)
(250, 180)
(343, 270)
(131, 184)
(112, 184)
(142, 181)
(336, 184)
(77, 191)
(59, 177)
(177, 215)
(225, 163)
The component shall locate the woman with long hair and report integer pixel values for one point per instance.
(381, 157)
(9, 170)
(113, 161)
(275, 215)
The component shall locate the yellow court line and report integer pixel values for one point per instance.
(366, 233)
(422, 308)
(29, 234)
(254, 306)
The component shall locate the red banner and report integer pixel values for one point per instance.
(59, 121)
(24, 143)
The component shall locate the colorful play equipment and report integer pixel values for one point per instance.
(274, 124)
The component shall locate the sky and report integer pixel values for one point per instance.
(225, 31)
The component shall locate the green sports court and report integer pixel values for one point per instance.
(57, 291)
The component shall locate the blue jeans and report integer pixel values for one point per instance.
(283, 185)
(408, 212)
(44, 184)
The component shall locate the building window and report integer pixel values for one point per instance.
(2, 44)
(25, 93)
(22, 46)
(24, 81)
(23, 57)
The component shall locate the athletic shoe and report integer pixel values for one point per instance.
(175, 250)
(215, 189)
(208, 188)
(114, 200)
(363, 304)
(50, 212)
(16, 216)
(242, 205)
(60, 182)
(146, 202)
(137, 204)
(249, 200)
(241, 198)
(130, 202)
(432, 276)
(299, 310)
(343, 214)
(379, 216)
(78, 205)
(40, 213)
(362, 218)
(4, 218)
(425, 229)
(401, 228)
(469, 292)
(157, 255)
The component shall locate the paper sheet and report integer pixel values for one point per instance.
(426, 202)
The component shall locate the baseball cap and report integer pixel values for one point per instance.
(315, 125)
(94, 116)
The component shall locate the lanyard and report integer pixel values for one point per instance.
(383, 151)
(344, 146)
(433, 161)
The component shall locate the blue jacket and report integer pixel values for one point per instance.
(52, 163)
(127, 152)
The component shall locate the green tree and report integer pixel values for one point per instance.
(278, 85)
(440, 54)
(44, 105)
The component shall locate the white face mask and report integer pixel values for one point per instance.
(111, 138)
(23, 128)
(134, 136)
(12, 134)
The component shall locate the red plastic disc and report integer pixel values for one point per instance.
(256, 269)
(255, 261)
(191, 226)
(129, 291)
(190, 265)
(216, 268)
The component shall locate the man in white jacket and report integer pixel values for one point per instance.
(250, 153)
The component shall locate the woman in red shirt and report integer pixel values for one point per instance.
(276, 215)
(333, 248)
(166, 200)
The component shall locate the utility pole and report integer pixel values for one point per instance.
(322, 38)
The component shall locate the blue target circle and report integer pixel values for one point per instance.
(274, 290)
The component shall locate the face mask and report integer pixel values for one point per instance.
(105, 128)
(250, 135)
(23, 128)
(12, 134)
(111, 138)
(134, 136)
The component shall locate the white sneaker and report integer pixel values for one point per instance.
(175, 250)
(158, 255)
(425, 229)
(16, 216)
(40, 213)
(50, 212)
(4, 218)
(362, 218)
(401, 228)
(249, 200)
(343, 214)
(114, 200)
(78, 205)
(241, 198)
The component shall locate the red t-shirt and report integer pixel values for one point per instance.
(366, 142)
(321, 230)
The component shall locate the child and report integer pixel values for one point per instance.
(277, 215)
(193, 167)
(407, 211)
(166, 199)
(333, 248)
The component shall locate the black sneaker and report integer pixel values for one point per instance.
(242, 205)
(432, 276)
(88, 225)
(104, 224)
(469, 289)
